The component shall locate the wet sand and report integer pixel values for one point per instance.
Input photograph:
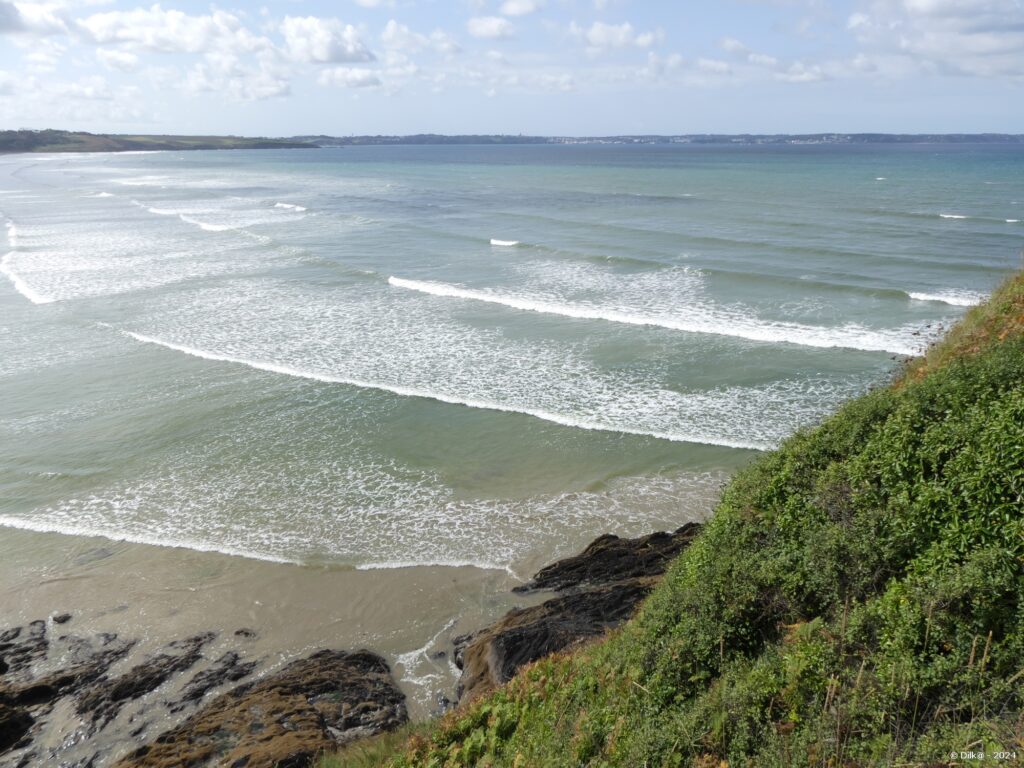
(157, 595)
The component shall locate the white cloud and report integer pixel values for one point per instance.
(713, 66)
(661, 66)
(600, 37)
(520, 7)
(8, 83)
(732, 45)
(37, 18)
(223, 72)
(983, 38)
(10, 18)
(745, 54)
(171, 31)
(398, 37)
(93, 88)
(44, 55)
(349, 77)
(121, 60)
(489, 27)
(314, 39)
(444, 43)
(799, 72)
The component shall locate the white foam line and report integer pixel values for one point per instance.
(395, 564)
(1013, 221)
(791, 333)
(951, 216)
(289, 206)
(953, 299)
(555, 418)
(157, 211)
(407, 659)
(504, 243)
(204, 225)
(82, 530)
(20, 285)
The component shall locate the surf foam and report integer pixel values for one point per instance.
(43, 526)
(709, 321)
(204, 225)
(953, 298)
(290, 207)
(20, 285)
(504, 243)
(561, 419)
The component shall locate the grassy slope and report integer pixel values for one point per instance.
(857, 600)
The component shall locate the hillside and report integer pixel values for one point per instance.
(856, 600)
(74, 141)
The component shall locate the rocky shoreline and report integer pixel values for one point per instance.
(203, 700)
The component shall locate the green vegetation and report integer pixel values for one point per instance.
(856, 600)
(68, 141)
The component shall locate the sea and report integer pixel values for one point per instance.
(405, 377)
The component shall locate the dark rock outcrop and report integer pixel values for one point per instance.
(492, 656)
(21, 647)
(609, 559)
(287, 719)
(43, 667)
(14, 725)
(229, 668)
(599, 589)
(103, 699)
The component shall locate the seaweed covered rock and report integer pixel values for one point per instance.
(287, 719)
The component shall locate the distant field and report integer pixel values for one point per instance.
(68, 141)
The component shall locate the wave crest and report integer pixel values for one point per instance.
(706, 321)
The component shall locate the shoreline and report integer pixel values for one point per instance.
(238, 616)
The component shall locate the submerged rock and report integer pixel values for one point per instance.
(600, 589)
(229, 668)
(71, 700)
(102, 700)
(286, 719)
(46, 675)
(21, 647)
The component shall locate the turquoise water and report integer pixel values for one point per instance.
(321, 356)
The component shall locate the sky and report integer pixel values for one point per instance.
(542, 67)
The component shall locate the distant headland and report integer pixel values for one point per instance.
(50, 140)
(77, 141)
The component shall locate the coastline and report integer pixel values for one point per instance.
(261, 613)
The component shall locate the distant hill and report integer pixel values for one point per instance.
(75, 141)
(703, 138)
(79, 141)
